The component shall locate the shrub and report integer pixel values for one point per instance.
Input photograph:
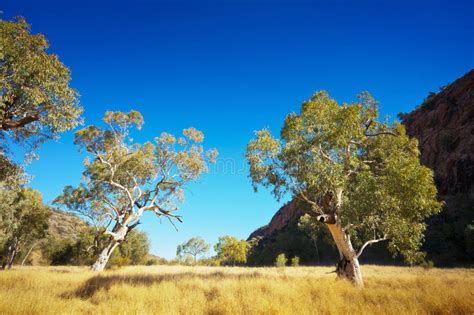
(295, 261)
(281, 260)
(427, 264)
(152, 262)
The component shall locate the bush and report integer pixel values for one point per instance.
(118, 261)
(152, 262)
(281, 260)
(427, 264)
(295, 261)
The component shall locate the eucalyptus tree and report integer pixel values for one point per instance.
(231, 250)
(123, 179)
(36, 100)
(24, 220)
(194, 247)
(360, 176)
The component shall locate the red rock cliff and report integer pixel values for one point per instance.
(444, 127)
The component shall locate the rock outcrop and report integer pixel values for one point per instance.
(444, 127)
(286, 215)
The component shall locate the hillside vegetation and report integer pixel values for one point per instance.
(65, 225)
(219, 290)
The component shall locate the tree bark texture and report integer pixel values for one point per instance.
(103, 259)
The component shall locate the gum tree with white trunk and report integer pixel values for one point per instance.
(123, 179)
(361, 177)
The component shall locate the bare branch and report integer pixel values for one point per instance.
(10, 124)
(380, 133)
(109, 203)
(134, 225)
(370, 243)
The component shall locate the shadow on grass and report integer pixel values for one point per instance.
(105, 282)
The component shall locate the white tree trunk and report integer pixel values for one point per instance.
(28, 254)
(11, 254)
(104, 256)
(348, 266)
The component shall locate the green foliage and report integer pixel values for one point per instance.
(124, 179)
(84, 249)
(191, 249)
(23, 220)
(231, 251)
(281, 260)
(343, 162)
(211, 261)
(136, 248)
(10, 172)
(427, 264)
(155, 260)
(36, 102)
(294, 242)
(295, 261)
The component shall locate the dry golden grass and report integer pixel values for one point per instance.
(212, 290)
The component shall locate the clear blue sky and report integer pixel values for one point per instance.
(231, 67)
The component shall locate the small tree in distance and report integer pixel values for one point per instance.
(23, 221)
(361, 177)
(281, 260)
(124, 179)
(231, 250)
(295, 261)
(194, 247)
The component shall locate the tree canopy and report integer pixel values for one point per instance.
(231, 250)
(195, 247)
(23, 220)
(36, 100)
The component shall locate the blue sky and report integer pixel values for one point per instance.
(231, 67)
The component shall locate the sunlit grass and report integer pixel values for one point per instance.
(211, 290)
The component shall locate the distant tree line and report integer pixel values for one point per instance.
(230, 251)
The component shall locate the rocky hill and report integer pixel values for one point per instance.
(287, 214)
(65, 225)
(444, 127)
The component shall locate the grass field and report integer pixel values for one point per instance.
(216, 290)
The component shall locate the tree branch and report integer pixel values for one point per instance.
(370, 243)
(380, 133)
(9, 124)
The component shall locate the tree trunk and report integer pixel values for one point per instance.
(28, 254)
(348, 266)
(12, 257)
(11, 254)
(118, 237)
(104, 256)
(315, 242)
